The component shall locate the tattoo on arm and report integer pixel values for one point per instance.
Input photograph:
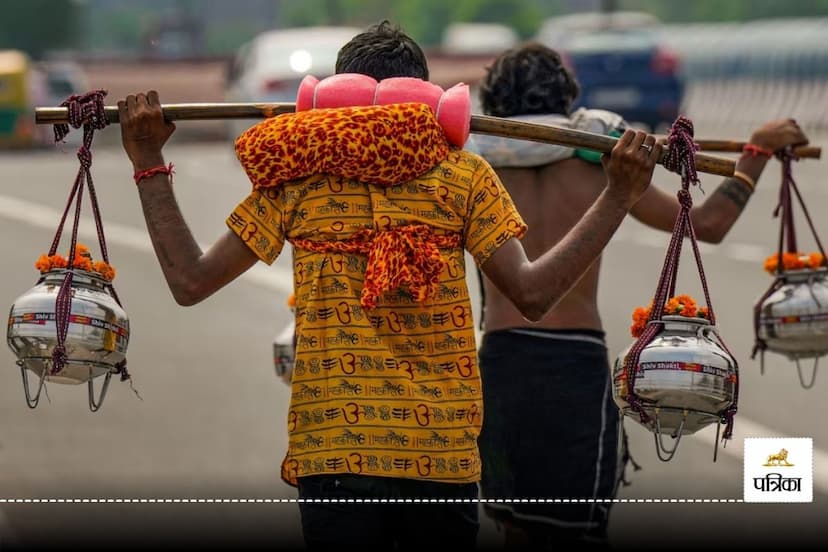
(735, 191)
(169, 232)
(153, 217)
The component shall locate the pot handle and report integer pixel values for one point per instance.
(94, 406)
(813, 375)
(32, 402)
(657, 435)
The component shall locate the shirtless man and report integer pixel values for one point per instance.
(551, 429)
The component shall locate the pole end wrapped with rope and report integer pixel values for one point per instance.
(83, 110)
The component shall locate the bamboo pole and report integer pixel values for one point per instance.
(735, 146)
(480, 124)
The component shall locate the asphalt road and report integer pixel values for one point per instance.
(210, 420)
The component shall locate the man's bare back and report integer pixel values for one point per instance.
(551, 198)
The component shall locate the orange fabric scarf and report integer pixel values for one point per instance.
(383, 145)
(403, 256)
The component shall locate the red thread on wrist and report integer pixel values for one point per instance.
(146, 173)
(756, 151)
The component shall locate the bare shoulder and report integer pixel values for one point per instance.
(567, 173)
(574, 171)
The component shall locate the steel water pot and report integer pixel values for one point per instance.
(284, 352)
(685, 378)
(793, 320)
(96, 340)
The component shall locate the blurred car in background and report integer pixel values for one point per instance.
(555, 30)
(621, 64)
(270, 67)
(63, 79)
(476, 39)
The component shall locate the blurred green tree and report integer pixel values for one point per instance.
(424, 20)
(37, 26)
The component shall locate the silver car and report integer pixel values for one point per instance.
(270, 67)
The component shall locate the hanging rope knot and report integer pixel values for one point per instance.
(121, 368)
(637, 405)
(787, 154)
(85, 157)
(59, 359)
(405, 256)
(729, 417)
(685, 199)
(681, 151)
(85, 110)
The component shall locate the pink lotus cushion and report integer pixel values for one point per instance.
(408, 89)
(452, 107)
(346, 90)
(454, 114)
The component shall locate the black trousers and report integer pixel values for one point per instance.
(387, 522)
(550, 431)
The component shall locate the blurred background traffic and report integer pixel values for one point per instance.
(729, 64)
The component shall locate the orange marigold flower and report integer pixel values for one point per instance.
(794, 260)
(83, 261)
(44, 263)
(291, 301)
(641, 313)
(59, 261)
(681, 305)
(105, 269)
(639, 316)
(688, 305)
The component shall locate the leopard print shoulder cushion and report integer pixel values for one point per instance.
(378, 144)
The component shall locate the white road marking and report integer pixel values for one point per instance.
(281, 280)
(33, 214)
(743, 252)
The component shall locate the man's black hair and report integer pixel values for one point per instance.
(530, 79)
(381, 52)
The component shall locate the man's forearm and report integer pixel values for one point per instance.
(177, 251)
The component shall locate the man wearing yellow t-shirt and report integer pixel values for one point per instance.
(386, 399)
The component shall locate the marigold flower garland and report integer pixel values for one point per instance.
(795, 261)
(680, 305)
(83, 261)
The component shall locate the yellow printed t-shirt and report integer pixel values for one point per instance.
(392, 390)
